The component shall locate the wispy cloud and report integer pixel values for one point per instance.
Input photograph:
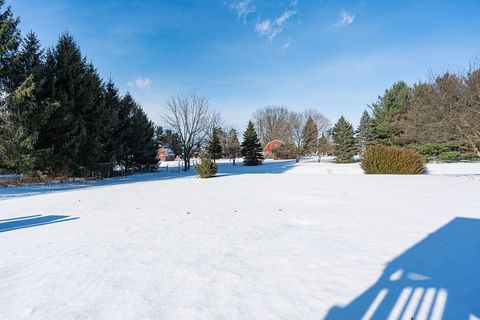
(271, 28)
(286, 45)
(140, 83)
(268, 28)
(345, 19)
(243, 8)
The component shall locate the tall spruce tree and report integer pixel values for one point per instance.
(389, 109)
(9, 42)
(214, 147)
(251, 148)
(344, 140)
(366, 134)
(309, 137)
(232, 145)
(10, 39)
(66, 131)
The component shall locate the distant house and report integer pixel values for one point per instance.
(165, 154)
(268, 150)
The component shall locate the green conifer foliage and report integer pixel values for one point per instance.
(251, 148)
(366, 133)
(214, 146)
(344, 141)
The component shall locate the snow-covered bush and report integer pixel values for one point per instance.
(206, 168)
(381, 159)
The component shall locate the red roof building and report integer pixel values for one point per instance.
(267, 151)
(165, 154)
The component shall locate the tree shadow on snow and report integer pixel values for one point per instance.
(438, 278)
(31, 221)
(224, 169)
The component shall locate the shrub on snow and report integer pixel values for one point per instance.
(381, 159)
(206, 168)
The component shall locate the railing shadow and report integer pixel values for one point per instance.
(438, 278)
(31, 221)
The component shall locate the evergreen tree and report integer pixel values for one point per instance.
(232, 146)
(112, 138)
(214, 147)
(10, 39)
(366, 134)
(168, 139)
(66, 131)
(344, 141)
(390, 108)
(251, 148)
(25, 109)
(309, 137)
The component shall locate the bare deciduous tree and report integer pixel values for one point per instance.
(297, 131)
(190, 116)
(271, 123)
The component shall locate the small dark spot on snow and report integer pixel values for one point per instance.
(235, 211)
(280, 210)
(188, 212)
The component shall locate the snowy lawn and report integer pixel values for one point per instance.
(278, 241)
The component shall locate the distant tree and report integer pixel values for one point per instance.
(366, 134)
(272, 123)
(214, 147)
(232, 147)
(303, 129)
(310, 136)
(344, 141)
(390, 109)
(251, 147)
(190, 116)
(325, 146)
(170, 140)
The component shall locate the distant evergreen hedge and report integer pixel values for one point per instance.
(381, 159)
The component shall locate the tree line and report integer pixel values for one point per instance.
(437, 117)
(58, 116)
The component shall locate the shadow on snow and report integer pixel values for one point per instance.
(31, 221)
(224, 169)
(438, 278)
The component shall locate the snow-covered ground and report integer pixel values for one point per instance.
(277, 241)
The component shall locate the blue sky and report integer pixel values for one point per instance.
(334, 56)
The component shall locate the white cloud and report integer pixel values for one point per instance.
(265, 27)
(270, 29)
(243, 8)
(286, 45)
(345, 19)
(140, 83)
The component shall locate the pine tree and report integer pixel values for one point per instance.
(232, 145)
(309, 137)
(214, 147)
(66, 131)
(366, 135)
(10, 39)
(390, 108)
(344, 140)
(251, 147)
(9, 43)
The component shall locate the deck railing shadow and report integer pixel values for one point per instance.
(438, 278)
(31, 221)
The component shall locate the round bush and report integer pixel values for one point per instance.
(206, 168)
(380, 159)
